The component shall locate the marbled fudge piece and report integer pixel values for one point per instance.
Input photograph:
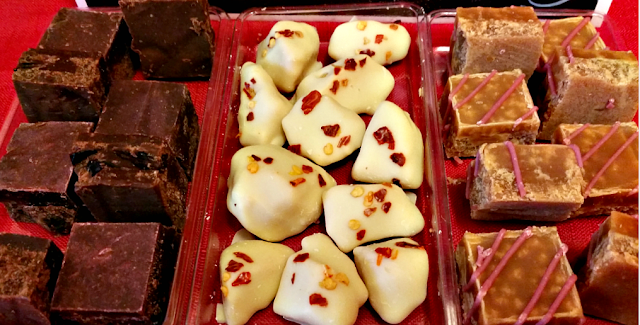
(501, 39)
(487, 108)
(610, 158)
(577, 32)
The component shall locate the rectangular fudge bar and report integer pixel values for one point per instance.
(544, 183)
(612, 181)
(29, 268)
(174, 38)
(115, 274)
(503, 39)
(577, 32)
(487, 108)
(608, 283)
(536, 251)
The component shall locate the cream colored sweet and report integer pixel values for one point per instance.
(384, 43)
(325, 130)
(395, 273)
(357, 83)
(288, 53)
(358, 214)
(250, 272)
(262, 108)
(320, 285)
(392, 149)
(275, 193)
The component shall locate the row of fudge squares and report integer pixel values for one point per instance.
(111, 274)
(134, 167)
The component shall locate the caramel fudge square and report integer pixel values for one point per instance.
(487, 108)
(577, 32)
(527, 182)
(501, 39)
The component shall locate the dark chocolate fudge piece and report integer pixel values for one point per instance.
(115, 274)
(98, 34)
(174, 38)
(29, 267)
(59, 87)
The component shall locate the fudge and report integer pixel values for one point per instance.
(577, 32)
(115, 274)
(589, 86)
(29, 268)
(610, 159)
(500, 273)
(174, 38)
(37, 178)
(501, 39)
(608, 282)
(539, 182)
(487, 108)
(67, 86)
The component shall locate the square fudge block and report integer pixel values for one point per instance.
(598, 87)
(97, 34)
(61, 86)
(174, 38)
(157, 109)
(501, 39)
(577, 32)
(608, 283)
(536, 251)
(29, 268)
(502, 109)
(544, 183)
(115, 274)
(612, 180)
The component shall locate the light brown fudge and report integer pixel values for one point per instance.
(551, 179)
(558, 30)
(616, 188)
(514, 120)
(508, 297)
(503, 39)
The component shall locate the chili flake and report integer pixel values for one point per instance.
(383, 135)
(268, 160)
(250, 116)
(379, 38)
(293, 278)
(233, 266)
(360, 234)
(310, 101)
(367, 52)
(297, 181)
(393, 26)
(307, 169)
(335, 86)
(331, 130)
(408, 245)
(243, 256)
(386, 206)
(301, 258)
(286, 33)
(350, 64)
(255, 158)
(344, 141)
(295, 148)
(398, 158)
(318, 299)
(380, 194)
(369, 211)
(336, 70)
(364, 60)
(243, 278)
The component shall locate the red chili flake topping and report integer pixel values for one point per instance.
(344, 141)
(360, 234)
(334, 88)
(243, 256)
(331, 130)
(268, 160)
(248, 90)
(243, 278)
(253, 80)
(321, 181)
(369, 211)
(350, 64)
(380, 194)
(386, 206)
(383, 135)
(379, 38)
(318, 299)
(307, 169)
(367, 52)
(336, 70)
(393, 26)
(295, 148)
(285, 33)
(256, 158)
(363, 61)
(233, 266)
(301, 258)
(398, 158)
(310, 101)
(408, 245)
(250, 116)
(293, 278)
(384, 251)
(297, 181)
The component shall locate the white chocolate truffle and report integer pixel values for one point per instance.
(320, 285)
(262, 108)
(288, 53)
(395, 273)
(275, 193)
(385, 43)
(250, 273)
(357, 83)
(392, 149)
(326, 131)
(358, 214)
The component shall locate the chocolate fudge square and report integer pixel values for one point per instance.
(536, 251)
(37, 178)
(63, 86)
(115, 274)
(97, 34)
(157, 109)
(29, 267)
(174, 38)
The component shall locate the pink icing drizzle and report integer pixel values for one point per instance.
(599, 144)
(486, 259)
(545, 27)
(610, 103)
(459, 86)
(502, 99)
(578, 155)
(592, 41)
(550, 80)
(516, 168)
(481, 255)
(570, 54)
(634, 191)
(458, 160)
(609, 162)
(564, 44)
(575, 133)
(467, 189)
(524, 117)
(606, 48)
(556, 303)
(477, 164)
(575, 32)
(477, 90)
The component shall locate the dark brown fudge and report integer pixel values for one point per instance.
(115, 274)
(29, 267)
(174, 38)
(59, 87)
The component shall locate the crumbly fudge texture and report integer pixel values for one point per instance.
(512, 290)
(115, 274)
(608, 283)
(551, 178)
(616, 188)
(559, 29)
(503, 39)
(29, 268)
